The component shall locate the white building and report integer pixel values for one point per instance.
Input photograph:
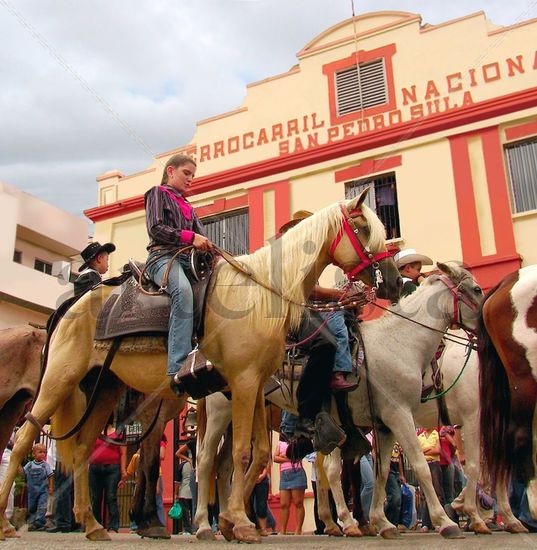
(36, 237)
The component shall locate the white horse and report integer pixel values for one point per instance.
(462, 403)
(398, 353)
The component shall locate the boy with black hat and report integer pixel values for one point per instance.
(95, 265)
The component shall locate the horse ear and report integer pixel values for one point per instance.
(358, 201)
(447, 270)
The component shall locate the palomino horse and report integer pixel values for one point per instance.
(508, 377)
(20, 367)
(398, 352)
(245, 327)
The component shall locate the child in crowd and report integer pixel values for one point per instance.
(39, 480)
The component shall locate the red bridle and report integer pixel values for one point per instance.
(458, 295)
(367, 258)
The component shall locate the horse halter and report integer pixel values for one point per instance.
(458, 295)
(367, 258)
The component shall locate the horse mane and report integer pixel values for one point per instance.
(495, 398)
(284, 265)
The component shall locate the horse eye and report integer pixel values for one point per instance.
(478, 290)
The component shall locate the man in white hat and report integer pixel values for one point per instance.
(409, 263)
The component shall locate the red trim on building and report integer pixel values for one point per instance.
(354, 144)
(363, 56)
(488, 269)
(521, 131)
(366, 168)
(222, 205)
(257, 210)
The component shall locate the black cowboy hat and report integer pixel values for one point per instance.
(93, 250)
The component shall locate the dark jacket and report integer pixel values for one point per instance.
(86, 280)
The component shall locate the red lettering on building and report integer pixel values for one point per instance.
(453, 86)
(277, 132)
(262, 138)
(491, 72)
(248, 140)
(219, 149)
(292, 127)
(233, 144)
(205, 153)
(514, 64)
(431, 90)
(409, 96)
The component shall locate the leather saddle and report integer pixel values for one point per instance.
(130, 311)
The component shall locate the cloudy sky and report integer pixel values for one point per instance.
(90, 86)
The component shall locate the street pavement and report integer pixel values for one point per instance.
(77, 541)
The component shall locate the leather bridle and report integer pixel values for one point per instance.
(367, 258)
(458, 296)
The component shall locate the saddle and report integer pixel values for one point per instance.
(129, 311)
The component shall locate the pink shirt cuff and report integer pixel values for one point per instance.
(187, 236)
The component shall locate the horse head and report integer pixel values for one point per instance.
(360, 249)
(467, 295)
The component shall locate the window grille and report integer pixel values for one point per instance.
(382, 198)
(369, 90)
(229, 231)
(42, 266)
(522, 162)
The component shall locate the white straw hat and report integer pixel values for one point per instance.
(408, 256)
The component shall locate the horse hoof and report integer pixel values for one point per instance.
(334, 531)
(515, 527)
(246, 533)
(226, 528)
(480, 528)
(100, 535)
(205, 534)
(352, 531)
(155, 532)
(451, 532)
(368, 530)
(390, 533)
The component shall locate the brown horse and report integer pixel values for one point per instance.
(508, 379)
(245, 327)
(20, 369)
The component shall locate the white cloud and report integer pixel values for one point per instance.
(92, 86)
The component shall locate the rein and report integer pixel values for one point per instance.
(452, 385)
(456, 319)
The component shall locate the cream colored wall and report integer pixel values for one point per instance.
(525, 228)
(31, 252)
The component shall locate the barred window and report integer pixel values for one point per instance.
(382, 198)
(522, 162)
(229, 231)
(45, 267)
(361, 88)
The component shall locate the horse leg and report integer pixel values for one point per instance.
(150, 525)
(472, 470)
(332, 467)
(512, 524)
(323, 499)
(218, 420)
(532, 485)
(224, 472)
(377, 516)
(260, 446)
(82, 445)
(404, 430)
(244, 391)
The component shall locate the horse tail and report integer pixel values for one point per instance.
(495, 401)
(72, 406)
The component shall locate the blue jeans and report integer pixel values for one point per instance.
(160, 503)
(103, 481)
(182, 308)
(392, 508)
(336, 325)
(368, 482)
(37, 506)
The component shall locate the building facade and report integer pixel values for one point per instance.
(439, 120)
(39, 241)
